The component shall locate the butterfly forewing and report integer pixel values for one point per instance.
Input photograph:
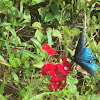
(86, 55)
(80, 44)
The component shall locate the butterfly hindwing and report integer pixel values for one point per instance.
(87, 68)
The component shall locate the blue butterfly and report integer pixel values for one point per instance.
(85, 57)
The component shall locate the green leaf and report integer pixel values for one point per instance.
(36, 42)
(15, 62)
(39, 35)
(64, 29)
(69, 6)
(34, 2)
(29, 54)
(2, 85)
(27, 18)
(99, 16)
(80, 4)
(56, 11)
(74, 72)
(71, 80)
(74, 32)
(24, 58)
(72, 52)
(13, 32)
(94, 97)
(2, 97)
(15, 76)
(2, 59)
(55, 8)
(72, 88)
(67, 16)
(56, 33)
(8, 48)
(15, 40)
(97, 8)
(36, 25)
(49, 31)
(25, 45)
(39, 65)
(41, 10)
(49, 17)
(27, 64)
(5, 24)
(21, 7)
(38, 97)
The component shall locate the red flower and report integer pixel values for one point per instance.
(67, 65)
(63, 58)
(54, 86)
(54, 79)
(48, 68)
(49, 50)
(57, 83)
(62, 81)
(60, 69)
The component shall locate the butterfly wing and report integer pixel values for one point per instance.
(86, 67)
(84, 57)
(80, 44)
(86, 60)
(86, 54)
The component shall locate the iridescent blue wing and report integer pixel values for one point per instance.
(86, 60)
(86, 55)
(80, 44)
(86, 67)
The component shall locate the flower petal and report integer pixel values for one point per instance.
(45, 68)
(45, 47)
(43, 73)
(62, 81)
(61, 78)
(51, 66)
(61, 67)
(57, 71)
(52, 72)
(67, 65)
(49, 50)
(54, 86)
(54, 79)
(64, 58)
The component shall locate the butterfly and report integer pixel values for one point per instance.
(85, 57)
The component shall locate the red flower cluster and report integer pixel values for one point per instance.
(49, 50)
(58, 75)
(53, 69)
(57, 71)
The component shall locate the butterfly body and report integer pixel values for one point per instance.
(85, 57)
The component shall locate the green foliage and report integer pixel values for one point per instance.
(34, 2)
(2, 86)
(58, 23)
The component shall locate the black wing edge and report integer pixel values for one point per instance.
(80, 44)
(89, 70)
